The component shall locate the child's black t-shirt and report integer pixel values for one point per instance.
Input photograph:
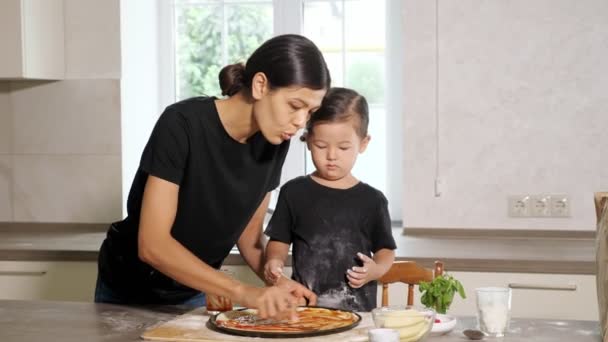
(327, 228)
(221, 184)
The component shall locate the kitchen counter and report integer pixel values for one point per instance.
(40, 321)
(50, 241)
(518, 251)
(462, 250)
(28, 321)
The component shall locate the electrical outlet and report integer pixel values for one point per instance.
(560, 206)
(540, 206)
(519, 206)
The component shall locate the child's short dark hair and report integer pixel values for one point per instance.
(339, 105)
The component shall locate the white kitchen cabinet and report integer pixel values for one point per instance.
(574, 296)
(32, 39)
(558, 296)
(55, 280)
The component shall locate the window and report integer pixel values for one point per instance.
(210, 34)
(355, 54)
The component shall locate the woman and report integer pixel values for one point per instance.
(203, 185)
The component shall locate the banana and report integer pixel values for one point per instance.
(408, 312)
(417, 336)
(403, 321)
(402, 318)
(411, 331)
(411, 324)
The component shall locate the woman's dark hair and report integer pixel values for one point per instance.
(286, 60)
(339, 105)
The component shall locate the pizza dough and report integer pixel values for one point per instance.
(311, 319)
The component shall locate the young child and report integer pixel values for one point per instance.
(339, 226)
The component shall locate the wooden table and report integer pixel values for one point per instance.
(28, 321)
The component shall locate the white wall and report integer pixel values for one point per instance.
(92, 34)
(66, 151)
(521, 103)
(62, 156)
(140, 82)
(60, 141)
(520, 100)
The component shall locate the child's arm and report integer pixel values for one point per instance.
(384, 259)
(372, 269)
(276, 254)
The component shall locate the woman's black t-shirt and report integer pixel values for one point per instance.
(221, 184)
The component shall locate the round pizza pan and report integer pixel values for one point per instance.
(212, 324)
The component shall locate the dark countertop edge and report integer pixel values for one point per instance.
(467, 265)
(410, 231)
(510, 266)
(46, 255)
(451, 265)
(483, 265)
(59, 227)
(498, 233)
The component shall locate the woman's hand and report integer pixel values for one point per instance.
(359, 276)
(304, 295)
(273, 271)
(271, 302)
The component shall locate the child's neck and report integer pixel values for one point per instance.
(345, 182)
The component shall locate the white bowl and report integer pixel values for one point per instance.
(413, 323)
(446, 324)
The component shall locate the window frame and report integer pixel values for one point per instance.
(288, 18)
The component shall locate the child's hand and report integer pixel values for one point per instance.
(273, 270)
(359, 276)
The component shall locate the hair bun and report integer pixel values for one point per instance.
(232, 78)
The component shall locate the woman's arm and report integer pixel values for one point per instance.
(160, 250)
(250, 242)
(252, 249)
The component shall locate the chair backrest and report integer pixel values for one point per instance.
(600, 203)
(410, 273)
(601, 259)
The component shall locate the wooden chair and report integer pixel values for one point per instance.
(600, 203)
(601, 255)
(410, 273)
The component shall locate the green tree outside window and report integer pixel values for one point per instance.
(200, 53)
